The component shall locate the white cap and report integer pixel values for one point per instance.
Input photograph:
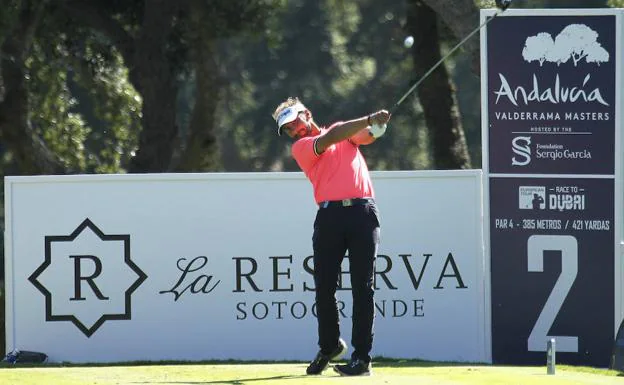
(288, 115)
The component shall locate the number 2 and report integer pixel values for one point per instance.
(568, 247)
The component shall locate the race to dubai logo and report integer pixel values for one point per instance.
(532, 197)
(87, 277)
(576, 43)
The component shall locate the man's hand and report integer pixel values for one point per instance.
(377, 130)
(351, 129)
(378, 123)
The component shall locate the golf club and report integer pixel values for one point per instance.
(502, 5)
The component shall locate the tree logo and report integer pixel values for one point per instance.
(576, 42)
(87, 277)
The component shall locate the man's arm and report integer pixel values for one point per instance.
(362, 137)
(351, 128)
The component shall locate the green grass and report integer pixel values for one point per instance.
(401, 372)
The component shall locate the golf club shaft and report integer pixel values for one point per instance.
(397, 104)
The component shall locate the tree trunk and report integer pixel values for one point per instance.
(436, 93)
(155, 81)
(30, 153)
(462, 17)
(151, 72)
(199, 151)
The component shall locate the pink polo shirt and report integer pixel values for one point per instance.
(338, 173)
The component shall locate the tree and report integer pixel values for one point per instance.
(153, 41)
(436, 94)
(461, 17)
(144, 33)
(576, 40)
(597, 54)
(209, 26)
(41, 125)
(16, 132)
(538, 47)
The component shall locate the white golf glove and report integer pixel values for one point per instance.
(377, 130)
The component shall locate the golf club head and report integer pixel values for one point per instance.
(503, 4)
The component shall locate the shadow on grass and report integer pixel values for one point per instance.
(378, 362)
(382, 362)
(6, 365)
(238, 381)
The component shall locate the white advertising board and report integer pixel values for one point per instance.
(113, 268)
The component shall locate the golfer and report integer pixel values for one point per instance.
(347, 220)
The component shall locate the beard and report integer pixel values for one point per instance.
(302, 133)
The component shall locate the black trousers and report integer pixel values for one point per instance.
(337, 230)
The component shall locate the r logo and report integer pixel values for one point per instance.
(520, 146)
(87, 277)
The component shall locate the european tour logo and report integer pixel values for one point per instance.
(87, 277)
(576, 44)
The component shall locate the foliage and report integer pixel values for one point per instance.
(8, 17)
(81, 103)
(111, 106)
(52, 102)
(86, 109)
(360, 66)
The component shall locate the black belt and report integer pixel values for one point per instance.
(346, 202)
